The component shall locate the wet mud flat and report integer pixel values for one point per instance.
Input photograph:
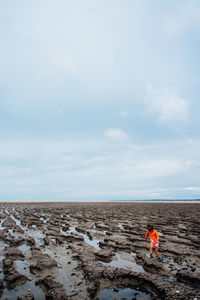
(97, 251)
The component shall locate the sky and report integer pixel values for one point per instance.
(99, 100)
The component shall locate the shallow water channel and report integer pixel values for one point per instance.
(94, 243)
(123, 292)
(120, 260)
(28, 286)
(125, 261)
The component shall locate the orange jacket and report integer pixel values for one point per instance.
(153, 235)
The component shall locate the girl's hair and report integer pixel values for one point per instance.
(149, 227)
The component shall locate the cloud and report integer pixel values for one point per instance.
(66, 75)
(153, 168)
(167, 104)
(193, 188)
(63, 169)
(116, 134)
(187, 17)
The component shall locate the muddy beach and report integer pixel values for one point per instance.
(98, 251)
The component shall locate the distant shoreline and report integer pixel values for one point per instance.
(156, 200)
(100, 201)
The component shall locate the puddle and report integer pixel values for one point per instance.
(60, 255)
(94, 243)
(18, 222)
(123, 292)
(43, 220)
(72, 229)
(53, 240)
(6, 211)
(38, 237)
(125, 261)
(1, 224)
(15, 211)
(28, 287)
(120, 226)
(160, 233)
(2, 246)
(22, 267)
(36, 234)
(24, 248)
(11, 231)
(1, 273)
(1, 259)
(61, 231)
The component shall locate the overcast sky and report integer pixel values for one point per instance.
(99, 99)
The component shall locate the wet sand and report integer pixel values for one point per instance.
(97, 251)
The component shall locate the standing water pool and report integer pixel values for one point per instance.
(123, 292)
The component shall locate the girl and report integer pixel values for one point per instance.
(154, 239)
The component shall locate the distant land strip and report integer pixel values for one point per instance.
(101, 201)
(159, 200)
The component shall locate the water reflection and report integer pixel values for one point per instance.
(125, 261)
(123, 292)
(94, 243)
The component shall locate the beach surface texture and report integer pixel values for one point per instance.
(91, 250)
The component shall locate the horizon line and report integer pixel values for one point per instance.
(112, 200)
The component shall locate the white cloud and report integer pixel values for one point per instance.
(64, 71)
(193, 188)
(153, 168)
(187, 17)
(167, 104)
(58, 170)
(116, 134)
(97, 169)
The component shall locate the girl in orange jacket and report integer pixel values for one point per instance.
(154, 239)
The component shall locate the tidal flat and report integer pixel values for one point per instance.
(96, 250)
